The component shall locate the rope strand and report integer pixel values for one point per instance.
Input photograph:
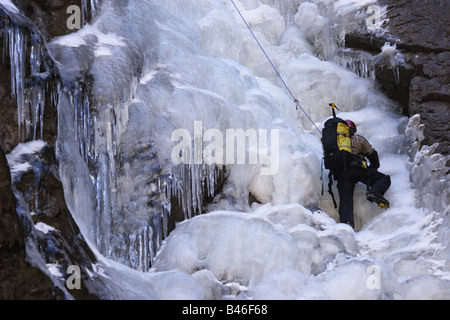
(273, 66)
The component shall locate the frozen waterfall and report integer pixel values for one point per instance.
(150, 82)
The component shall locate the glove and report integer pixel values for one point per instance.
(371, 170)
(374, 160)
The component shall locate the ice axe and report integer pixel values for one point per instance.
(333, 106)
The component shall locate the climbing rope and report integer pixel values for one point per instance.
(273, 66)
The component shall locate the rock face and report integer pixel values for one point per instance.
(50, 16)
(39, 237)
(420, 83)
(35, 260)
(424, 36)
(8, 117)
(18, 278)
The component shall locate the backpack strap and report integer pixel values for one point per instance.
(330, 188)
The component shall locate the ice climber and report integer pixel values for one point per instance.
(377, 182)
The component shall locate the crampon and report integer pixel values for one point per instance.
(375, 197)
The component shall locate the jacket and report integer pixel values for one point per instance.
(363, 149)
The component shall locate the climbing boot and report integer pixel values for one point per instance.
(377, 197)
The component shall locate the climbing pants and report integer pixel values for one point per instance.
(376, 181)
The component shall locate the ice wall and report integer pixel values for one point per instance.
(280, 251)
(129, 87)
(144, 75)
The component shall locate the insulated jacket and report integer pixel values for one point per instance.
(362, 148)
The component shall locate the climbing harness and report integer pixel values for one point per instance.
(276, 71)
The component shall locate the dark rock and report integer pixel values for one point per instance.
(423, 34)
(18, 278)
(9, 225)
(9, 133)
(420, 82)
(50, 16)
(63, 245)
(436, 116)
(420, 26)
(24, 249)
(395, 81)
(364, 41)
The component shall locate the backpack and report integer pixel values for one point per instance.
(337, 145)
(337, 148)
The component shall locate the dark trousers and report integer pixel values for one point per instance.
(347, 180)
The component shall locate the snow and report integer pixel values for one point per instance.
(54, 269)
(266, 20)
(18, 158)
(81, 37)
(194, 61)
(44, 228)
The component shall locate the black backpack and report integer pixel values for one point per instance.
(337, 145)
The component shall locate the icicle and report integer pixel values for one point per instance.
(152, 251)
(165, 217)
(89, 8)
(17, 54)
(142, 248)
(29, 90)
(98, 131)
(359, 62)
(396, 71)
